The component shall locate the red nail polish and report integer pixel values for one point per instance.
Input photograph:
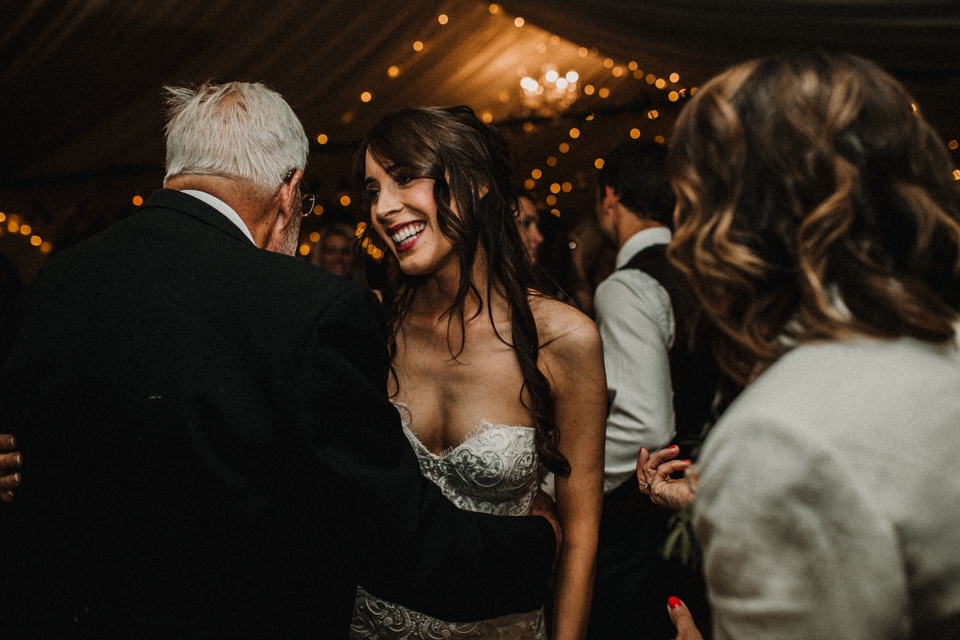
(674, 446)
(684, 461)
(673, 602)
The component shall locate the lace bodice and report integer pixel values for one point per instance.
(494, 470)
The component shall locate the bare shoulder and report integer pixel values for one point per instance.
(564, 330)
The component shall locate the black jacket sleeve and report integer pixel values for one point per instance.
(414, 546)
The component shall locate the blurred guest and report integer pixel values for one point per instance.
(594, 258)
(336, 249)
(527, 220)
(820, 224)
(661, 381)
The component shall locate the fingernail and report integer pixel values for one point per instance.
(684, 461)
(674, 446)
(16, 478)
(673, 602)
(19, 459)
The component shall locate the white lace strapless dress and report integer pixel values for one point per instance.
(494, 470)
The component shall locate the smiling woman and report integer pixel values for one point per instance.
(482, 365)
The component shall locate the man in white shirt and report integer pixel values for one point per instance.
(645, 314)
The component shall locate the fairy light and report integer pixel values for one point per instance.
(322, 139)
(345, 201)
(443, 19)
(366, 96)
(418, 46)
(634, 133)
(137, 200)
(494, 9)
(393, 71)
(518, 21)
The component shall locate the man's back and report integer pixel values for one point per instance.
(157, 397)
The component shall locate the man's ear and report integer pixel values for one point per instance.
(285, 207)
(610, 199)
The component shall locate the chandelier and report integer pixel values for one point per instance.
(551, 93)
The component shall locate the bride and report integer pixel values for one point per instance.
(496, 383)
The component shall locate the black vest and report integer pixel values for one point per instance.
(694, 374)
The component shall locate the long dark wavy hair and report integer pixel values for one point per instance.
(464, 157)
(815, 203)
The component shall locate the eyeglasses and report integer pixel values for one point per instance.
(307, 203)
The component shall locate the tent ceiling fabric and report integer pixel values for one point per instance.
(80, 81)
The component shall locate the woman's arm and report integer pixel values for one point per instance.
(573, 363)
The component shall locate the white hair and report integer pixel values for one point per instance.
(238, 130)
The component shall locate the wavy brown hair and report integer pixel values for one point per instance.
(814, 203)
(462, 155)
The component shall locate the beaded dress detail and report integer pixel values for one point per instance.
(493, 470)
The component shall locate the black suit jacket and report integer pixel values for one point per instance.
(209, 451)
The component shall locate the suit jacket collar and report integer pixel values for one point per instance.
(195, 208)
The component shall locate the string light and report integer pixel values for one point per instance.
(551, 78)
(18, 228)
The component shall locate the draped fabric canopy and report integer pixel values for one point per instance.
(81, 80)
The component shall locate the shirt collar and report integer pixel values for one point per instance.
(640, 241)
(223, 208)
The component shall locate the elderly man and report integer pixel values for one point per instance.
(208, 450)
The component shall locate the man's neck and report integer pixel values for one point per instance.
(243, 198)
(631, 224)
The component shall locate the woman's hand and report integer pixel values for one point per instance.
(653, 474)
(9, 462)
(682, 620)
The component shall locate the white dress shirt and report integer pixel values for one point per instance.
(223, 208)
(636, 324)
